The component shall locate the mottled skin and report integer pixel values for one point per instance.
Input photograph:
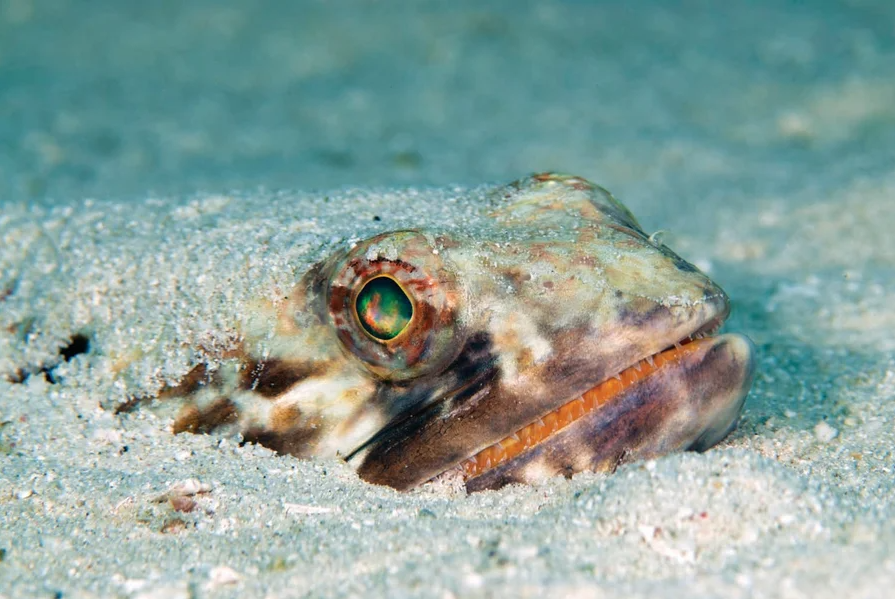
(505, 329)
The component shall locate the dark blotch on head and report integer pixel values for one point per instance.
(194, 420)
(192, 381)
(638, 313)
(273, 377)
(294, 442)
(416, 406)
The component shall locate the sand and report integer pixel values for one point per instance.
(157, 165)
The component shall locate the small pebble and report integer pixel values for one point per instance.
(223, 576)
(824, 432)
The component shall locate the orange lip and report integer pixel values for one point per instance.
(593, 399)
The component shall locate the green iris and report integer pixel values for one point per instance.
(383, 308)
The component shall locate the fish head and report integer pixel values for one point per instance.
(545, 333)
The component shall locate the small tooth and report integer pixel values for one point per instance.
(618, 377)
(515, 438)
(677, 345)
(541, 423)
(498, 452)
(651, 362)
(637, 367)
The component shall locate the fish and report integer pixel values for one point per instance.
(540, 333)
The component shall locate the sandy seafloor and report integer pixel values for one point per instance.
(137, 138)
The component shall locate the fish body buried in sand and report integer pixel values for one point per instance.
(570, 341)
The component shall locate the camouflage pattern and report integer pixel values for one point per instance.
(505, 329)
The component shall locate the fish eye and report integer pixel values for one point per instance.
(383, 308)
(396, 306)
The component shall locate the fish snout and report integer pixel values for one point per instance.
(722, 380)
(691, 401)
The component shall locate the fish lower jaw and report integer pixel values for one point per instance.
(558, 419)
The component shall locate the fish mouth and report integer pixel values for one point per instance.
(682, 392)
(687, 396)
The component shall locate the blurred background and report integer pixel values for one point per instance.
(670, 107)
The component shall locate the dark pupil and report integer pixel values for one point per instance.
(383, 308)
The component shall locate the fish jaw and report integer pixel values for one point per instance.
(691, 403)
(592, 338)
(432, 443)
